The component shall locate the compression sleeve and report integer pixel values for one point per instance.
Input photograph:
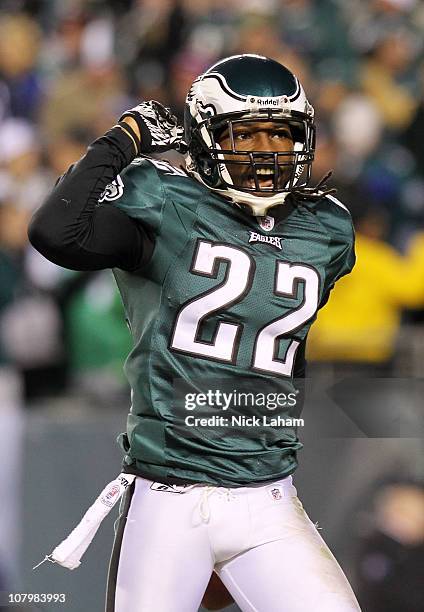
(73, 230)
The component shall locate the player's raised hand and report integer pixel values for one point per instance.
(158, 127)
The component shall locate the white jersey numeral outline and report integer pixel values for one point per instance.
(266, 343)
(207, 259)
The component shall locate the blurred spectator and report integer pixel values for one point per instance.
(92, 97)
(23, 179)
(98, 341)
(384, 78)
(412, 136)
(183, 70)
(360, 323)
(20, 39)
(149, 37)
(357, 126)
(390, 575)
(30, 328)
(316, 30)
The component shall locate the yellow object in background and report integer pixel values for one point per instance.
(361, 320)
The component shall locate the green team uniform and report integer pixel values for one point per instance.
(221, 299)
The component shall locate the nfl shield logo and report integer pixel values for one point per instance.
(276, 494)
(266, 223)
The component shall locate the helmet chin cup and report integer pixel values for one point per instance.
(257, 206)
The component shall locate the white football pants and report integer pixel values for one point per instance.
(258, 539)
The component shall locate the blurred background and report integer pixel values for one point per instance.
(67, 70)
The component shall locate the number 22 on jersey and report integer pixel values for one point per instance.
(237, 283)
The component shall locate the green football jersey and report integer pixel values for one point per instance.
(217, 316)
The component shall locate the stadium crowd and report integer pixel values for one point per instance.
(69, 69)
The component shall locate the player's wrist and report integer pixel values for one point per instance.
(132, 134)
(137, 123)
(132, 123)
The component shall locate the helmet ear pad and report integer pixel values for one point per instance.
(206, 166)
(298, 133)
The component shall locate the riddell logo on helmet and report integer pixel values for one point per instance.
(268, 102)
(279, 102)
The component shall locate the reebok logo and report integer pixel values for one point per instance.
(160, 486)
(274, 241)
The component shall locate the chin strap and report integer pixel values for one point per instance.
(315, 193)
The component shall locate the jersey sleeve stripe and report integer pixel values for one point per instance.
(336, 201)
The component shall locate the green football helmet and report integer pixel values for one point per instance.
(244, 89)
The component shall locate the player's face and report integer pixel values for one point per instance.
(266, 136)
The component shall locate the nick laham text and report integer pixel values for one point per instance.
(243, 421)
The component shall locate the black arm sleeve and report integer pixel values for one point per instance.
(73, 230)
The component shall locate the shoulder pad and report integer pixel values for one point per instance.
(161, 165)
(335, 216)
(337, 202)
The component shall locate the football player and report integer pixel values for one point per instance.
(222, 266)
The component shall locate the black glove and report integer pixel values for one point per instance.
(158, 127)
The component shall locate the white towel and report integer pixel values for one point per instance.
(69, 552)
